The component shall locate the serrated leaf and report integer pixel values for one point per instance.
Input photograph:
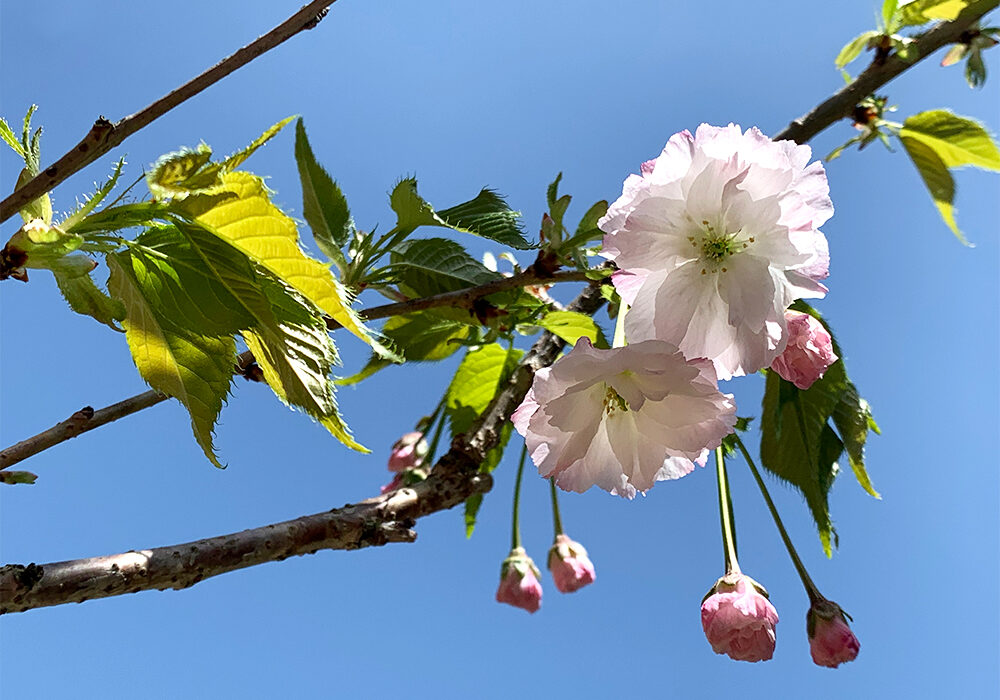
(571, 326)
(476, 382)
(236, 159)
(434, 265)
(85, 297)
(323, 204)
(172, 174)
(956, 140)
(40, 208)
(195, 369)
(249, 221)
(938, 180)
(93, 200)
(853, 419)
(486, 215)
(853, 48)
(797, 442)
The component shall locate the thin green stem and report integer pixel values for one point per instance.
(515, 521)
(726, 515)
(556, 517)
(432, 450)
(811, 588)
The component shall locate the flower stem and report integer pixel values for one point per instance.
(811, 589)
(619, 339)
(515, 527)
(440, 417)
(556, 518)
(726, 515)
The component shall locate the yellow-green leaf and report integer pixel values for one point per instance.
(236, 159)
(247, 219)
(571, 326)
(853, 48)
(937, 179)
(197, 370)
(85, 297)
(956, 140)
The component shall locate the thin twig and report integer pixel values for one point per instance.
(80, 422)
(371, 523)
(841, 104)
(87, 418)
(105, 135)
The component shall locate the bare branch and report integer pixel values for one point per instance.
(105, 135)
(841, 104)
(371, 523)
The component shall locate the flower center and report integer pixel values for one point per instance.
(716, 247)
(613, 401)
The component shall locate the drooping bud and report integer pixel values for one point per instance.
(519, 584)
(738, 619)
(831, 641)
(570, 566)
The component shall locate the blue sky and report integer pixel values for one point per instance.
(464, 95)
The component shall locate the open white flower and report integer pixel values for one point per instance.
(716, 238)
(623, 419)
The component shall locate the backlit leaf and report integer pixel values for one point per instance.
(323, 204)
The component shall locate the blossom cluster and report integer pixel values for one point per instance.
(713, 241)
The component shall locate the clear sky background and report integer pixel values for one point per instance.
(462, 95)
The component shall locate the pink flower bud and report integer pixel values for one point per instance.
(831, 641)
(396, 482)
(809, 351)
(408, 452)
(519, 584)
(738, 619)
(570, 566)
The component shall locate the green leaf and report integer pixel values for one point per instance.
(424, 336)
(853, 48)
(323, 204)
(85, 297)
(956, 140)
(10, 476)
(7, 134)
(179, 173)
(888, 11)
(242, 214)
(482, 372)
(937, 179)
(975, 70)
(44, 246)
(434, 265)
(487, 215)
(93, 200)
(798, 443)
(236, 159)
(195, 369)
(571, 326)
(40, 208)
(853, 419)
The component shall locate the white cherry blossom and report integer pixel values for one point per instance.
(715, 239)
(623, 419)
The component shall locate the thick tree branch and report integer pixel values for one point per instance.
(105, 135)
(841, 104)
(371, 523)
(87, 418)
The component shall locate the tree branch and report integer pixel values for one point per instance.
(105, 135)
(371, 523)
(841, 104)
(87, 418)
